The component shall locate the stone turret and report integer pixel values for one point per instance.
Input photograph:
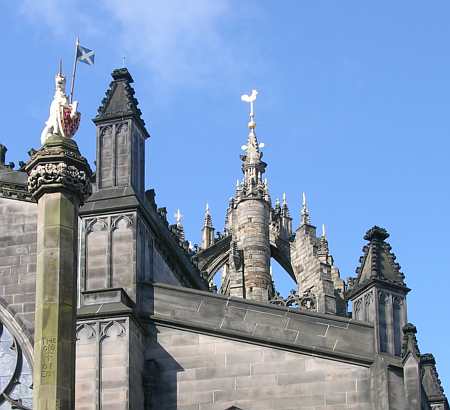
(379, 292)
(251, 219)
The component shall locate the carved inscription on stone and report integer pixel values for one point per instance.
(48, 358)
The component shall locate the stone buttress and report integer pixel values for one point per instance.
(314, 267)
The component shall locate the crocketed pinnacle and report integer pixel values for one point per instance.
(284, 207)
(208, 219)
(304, 214)
(179, 226)
(378, 262)
(120, 102)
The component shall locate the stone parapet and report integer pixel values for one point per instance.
(311, 333)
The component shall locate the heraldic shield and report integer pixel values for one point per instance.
(69, 120)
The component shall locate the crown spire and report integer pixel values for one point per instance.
(253, 167)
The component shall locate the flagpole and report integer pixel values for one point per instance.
(72, 84)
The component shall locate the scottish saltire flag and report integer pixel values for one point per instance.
(85, 55)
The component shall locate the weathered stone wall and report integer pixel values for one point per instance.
(161, 271)
(200, 372)
(18, 238)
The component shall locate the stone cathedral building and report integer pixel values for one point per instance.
(90, 257)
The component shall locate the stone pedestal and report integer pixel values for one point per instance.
(59, 179)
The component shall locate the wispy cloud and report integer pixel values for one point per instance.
(181, 42)
(60, 17)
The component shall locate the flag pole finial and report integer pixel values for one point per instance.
(74, 71)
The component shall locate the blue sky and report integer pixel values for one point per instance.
(353, 108)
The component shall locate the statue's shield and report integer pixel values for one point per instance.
(69, 123)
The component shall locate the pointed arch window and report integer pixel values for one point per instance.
(15, 373)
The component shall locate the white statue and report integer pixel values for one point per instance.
(64, 118)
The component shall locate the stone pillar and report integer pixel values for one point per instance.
(59, 180)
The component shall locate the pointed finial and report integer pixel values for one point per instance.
(409, 344)
(305, 211)
(284, 199)
(178, 217)
(60, 69)
(324, 233)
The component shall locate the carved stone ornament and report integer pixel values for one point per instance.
(306, 301)
(58, 166)
(68, 176)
